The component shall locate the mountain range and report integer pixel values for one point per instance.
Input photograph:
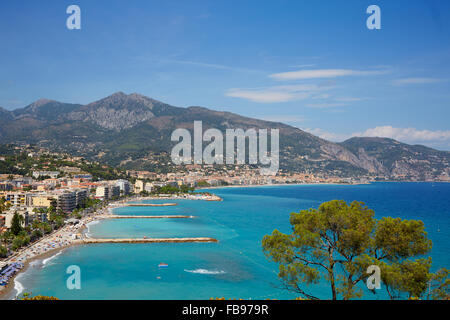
(134, 131)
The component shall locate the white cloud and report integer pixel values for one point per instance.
(410, 135)
(406, 81)
(289, 119)
(328, 135)
(292, 93)
(436, 138)
(323, 73)
(209, 65)
(261, 96)
(303, 87)
(303, 66)
(277, 93)
(322, 96)
(325, 105)
(349, 99)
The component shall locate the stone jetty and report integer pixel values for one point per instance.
(151, 204)
(117, 216)
(145, 240)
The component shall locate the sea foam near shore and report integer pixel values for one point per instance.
(45, 261)
(18, 287)
(88, 227)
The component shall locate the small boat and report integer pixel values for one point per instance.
(163, 265)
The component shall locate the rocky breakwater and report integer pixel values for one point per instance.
(145, 240)
(151, 204)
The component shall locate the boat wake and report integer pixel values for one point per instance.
(205, 271)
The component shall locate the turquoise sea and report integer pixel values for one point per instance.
(236, 266)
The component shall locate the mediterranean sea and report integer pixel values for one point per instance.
(235, 267)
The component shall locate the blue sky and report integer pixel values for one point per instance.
(311, 64)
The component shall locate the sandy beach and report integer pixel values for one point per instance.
(48, 246)
(8, 292)
(70, 235)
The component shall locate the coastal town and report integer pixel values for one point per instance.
(73, 232)
(48, 207)
(47, 199)
(42, 191)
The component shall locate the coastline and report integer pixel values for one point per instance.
(44, 249)
(312, 184)
(36, 268)
(282, 185)
(61, 239)
(212, 197)
(7, 292)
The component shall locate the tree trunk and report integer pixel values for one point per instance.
(331, 273)
(333, 285)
